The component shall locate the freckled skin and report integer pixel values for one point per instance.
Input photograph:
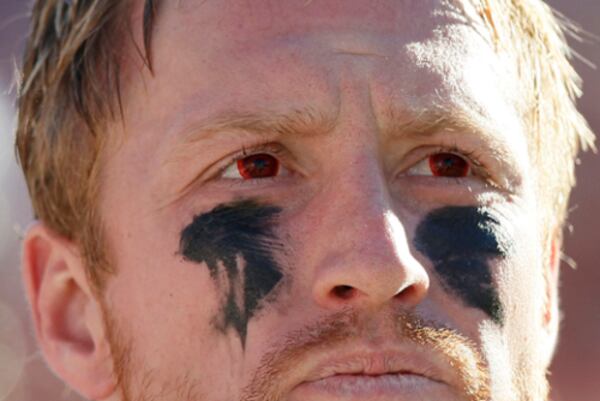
(240, 230)
(461, 241)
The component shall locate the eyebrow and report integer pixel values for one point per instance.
(428, 122)
(306, 122)
(309, 122)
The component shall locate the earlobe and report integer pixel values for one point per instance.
(67, 317)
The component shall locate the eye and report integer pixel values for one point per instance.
(442, 164)
(256, 166)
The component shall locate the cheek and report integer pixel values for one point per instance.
(161, 299)
(522, 342)
(166, 307)
(521, 283)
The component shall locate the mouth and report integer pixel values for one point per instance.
(382, 376)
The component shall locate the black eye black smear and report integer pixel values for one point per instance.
(460, 241)
(239, 237)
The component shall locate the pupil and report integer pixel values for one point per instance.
(448, 165)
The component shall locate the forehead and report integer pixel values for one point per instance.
(234, 30)
(264, 19)
(213, 56)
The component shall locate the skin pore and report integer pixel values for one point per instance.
(279, 228)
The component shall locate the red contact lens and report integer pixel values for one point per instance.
(258, 166)
(448, 165)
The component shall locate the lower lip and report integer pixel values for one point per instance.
(397, 387)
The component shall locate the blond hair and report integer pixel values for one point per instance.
(534, 35)
(70, 90)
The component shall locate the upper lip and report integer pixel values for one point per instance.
(368, 361)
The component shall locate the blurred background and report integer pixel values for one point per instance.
(574, 373)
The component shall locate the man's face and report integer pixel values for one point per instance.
(324, 200)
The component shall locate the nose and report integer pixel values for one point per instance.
(365, 258)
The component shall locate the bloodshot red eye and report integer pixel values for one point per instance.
(448, 165)
(261, 165)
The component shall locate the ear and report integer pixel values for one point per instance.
(68, 319)
(551, 316)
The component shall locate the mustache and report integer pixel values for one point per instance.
(459, 353)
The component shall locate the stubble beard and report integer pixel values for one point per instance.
(136, 383)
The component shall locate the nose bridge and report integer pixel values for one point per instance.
(366, 259)
(361, 215)
(360, 202)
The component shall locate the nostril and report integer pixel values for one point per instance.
(407, 294)
(343, 291)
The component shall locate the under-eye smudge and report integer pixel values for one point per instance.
(461, 242)
(239, 238)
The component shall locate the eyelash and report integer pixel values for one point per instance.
(471, 156)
